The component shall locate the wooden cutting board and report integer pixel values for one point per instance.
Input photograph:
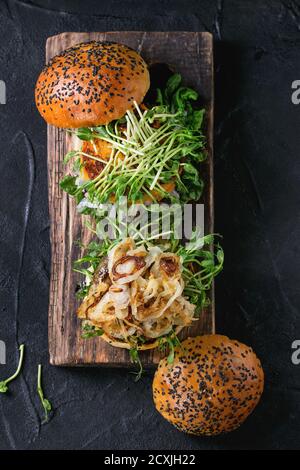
(188, 53)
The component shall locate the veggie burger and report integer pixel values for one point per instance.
(137, 293)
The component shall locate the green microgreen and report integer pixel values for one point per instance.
(169, 341)
(90, 331)
(4, 383)
(202, 261)
(135, 359)
(44, 401)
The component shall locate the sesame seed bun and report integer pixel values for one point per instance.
(91, 84)
(212, 386)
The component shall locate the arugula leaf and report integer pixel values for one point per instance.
(196, 119)
(171, 86)
(159, 98)
(101, 131)
(84, 133)
(182, 97)
(200, 266)
(68, 184)
(190, 185)
(90, 331)
(171, 341)
(82, 291)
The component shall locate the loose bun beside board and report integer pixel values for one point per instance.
(212, 386)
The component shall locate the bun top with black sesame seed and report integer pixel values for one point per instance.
(212, 386)
(91, 84)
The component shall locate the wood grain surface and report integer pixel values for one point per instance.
(188, 53)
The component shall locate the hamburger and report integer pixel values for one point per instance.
(141, 296)
(125, 146)
(125, 143)
(136, 297)
(212, 386)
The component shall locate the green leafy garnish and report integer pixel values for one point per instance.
(68, 184)
(171, 341)
(135, 359)
(90, 331)
(202, 261)
(84, 133)
(190, 185)
(3, 383)
(87, 265)
(179, 98)
(45, 403)
(82, 291)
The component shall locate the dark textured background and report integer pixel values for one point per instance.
(257, 170)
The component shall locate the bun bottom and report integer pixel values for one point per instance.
(143, 347)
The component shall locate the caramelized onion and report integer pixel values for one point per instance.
(127, 265)
(168, 265)
(142, 294)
